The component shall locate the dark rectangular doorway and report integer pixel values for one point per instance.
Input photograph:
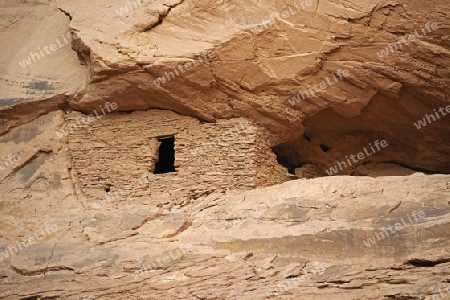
(166, 156)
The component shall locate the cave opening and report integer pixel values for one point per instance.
(284, 161)
(166, 156)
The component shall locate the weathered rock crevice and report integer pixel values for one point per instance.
(330, 137)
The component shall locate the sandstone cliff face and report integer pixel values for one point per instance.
(250, 59)
(343, 238)
(145, 149)
(255, 75)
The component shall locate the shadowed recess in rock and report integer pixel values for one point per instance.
(166, 156)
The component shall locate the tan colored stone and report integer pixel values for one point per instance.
(229, 223)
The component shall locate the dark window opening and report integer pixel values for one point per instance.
(166, 156)
(325, 148)
(284, 160)
(291, 170)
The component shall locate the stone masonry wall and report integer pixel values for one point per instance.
(114, 157)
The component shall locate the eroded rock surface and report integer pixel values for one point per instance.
(221, 59)
(304, 237)
(94, 95)
(254, 74)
